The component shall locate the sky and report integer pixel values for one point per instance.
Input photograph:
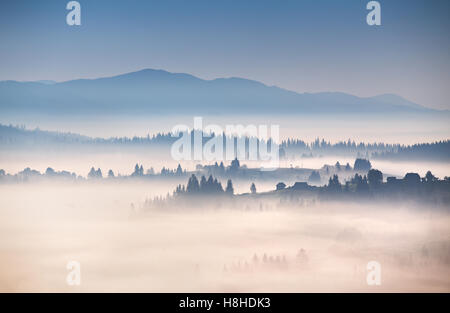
(302, 45)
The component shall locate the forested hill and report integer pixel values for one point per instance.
(19, 136)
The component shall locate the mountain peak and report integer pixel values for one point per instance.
(149, 91)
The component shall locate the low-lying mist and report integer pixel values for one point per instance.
(121, 247)
(123, 163)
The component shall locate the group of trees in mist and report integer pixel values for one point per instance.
(434, 151)
(198, 193)
(362, 165)
(94, 174)
(373, 185)
(439, 150)
(29, 174)
(138, 172)
(231, 171)
(210, 186)
(19, 135)
(360, 181)
(221, 170)
(11, 136)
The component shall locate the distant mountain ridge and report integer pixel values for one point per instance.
(157, 91)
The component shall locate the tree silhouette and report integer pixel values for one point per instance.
(412, 179)
(193, 185)
(92, 173)
(253, 188)
(136, 170)
(50, 172)
(429, 177)
(314, 177)
(210, 184)
(333, 184)
(375, 177)
(203, 183)
(235, 165)
(179, 170)
(348, 167)
(280, 186)
(229, 190)
(362, 165)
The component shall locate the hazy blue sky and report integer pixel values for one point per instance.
(306, 46)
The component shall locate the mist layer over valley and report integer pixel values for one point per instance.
(121, 246)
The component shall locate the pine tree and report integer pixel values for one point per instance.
(179, 171)
(92, 173)
(253, 188)
(229, 190)
(136, 170)
(193, 185)
(203, 186)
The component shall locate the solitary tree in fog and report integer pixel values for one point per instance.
(229, 190)
(253, 188)
(92, 173)
(110, 174)
(179, 170)
(136, 170)
(235, 165)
